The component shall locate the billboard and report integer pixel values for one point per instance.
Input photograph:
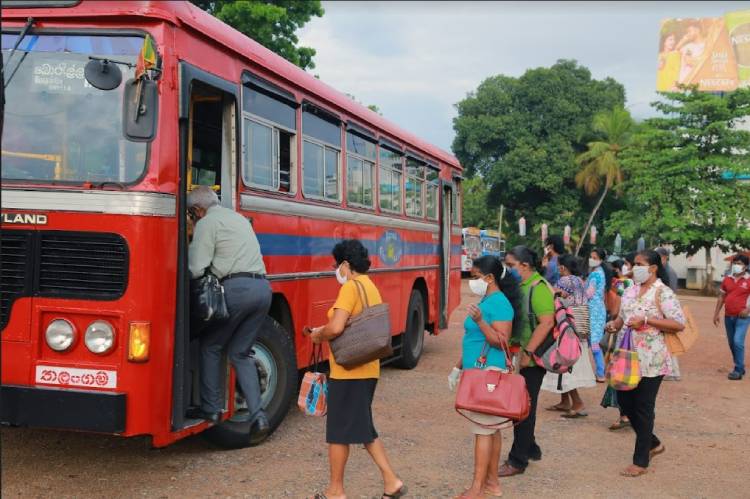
(713, 53)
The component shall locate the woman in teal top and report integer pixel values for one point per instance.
(487, 331)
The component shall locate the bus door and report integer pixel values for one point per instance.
(446, 216)
(208, 156)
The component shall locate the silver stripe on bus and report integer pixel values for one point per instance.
(319, 275)
(338, 214)
(110, 202)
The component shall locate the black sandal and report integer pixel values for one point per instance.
(396, 495)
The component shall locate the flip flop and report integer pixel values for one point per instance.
(396, 495)
(619, 425)
(574, 414)
(557, 408)
(655, 452)
(633, 474)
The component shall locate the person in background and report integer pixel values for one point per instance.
(620, 284)
(672, 283)
(571, 290)
(671, 274)
(537, 324)
(597, 285)
(648, 318)
(553, 248)
(735, 295)
(224, 243)
(487, 330)
(351, 390)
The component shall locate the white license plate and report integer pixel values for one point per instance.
(71, 376)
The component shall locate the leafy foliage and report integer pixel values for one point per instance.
(681, 188)
(475, 212)
(522, 136)
(600, 164)
(272, 23)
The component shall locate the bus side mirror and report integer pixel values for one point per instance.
(140, 103)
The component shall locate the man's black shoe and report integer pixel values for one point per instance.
(260, 430)
(198, 413)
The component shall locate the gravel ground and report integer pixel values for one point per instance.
(704, 421)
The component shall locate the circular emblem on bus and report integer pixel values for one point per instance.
(102, 378)
(390, 247)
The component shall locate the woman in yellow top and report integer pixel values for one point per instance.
(350, 391)
(669, 65)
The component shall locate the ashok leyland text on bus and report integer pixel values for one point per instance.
(94, 312)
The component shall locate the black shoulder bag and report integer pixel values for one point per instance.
(208, 303)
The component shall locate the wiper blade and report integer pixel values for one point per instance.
(29, 24)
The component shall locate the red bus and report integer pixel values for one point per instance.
(97, 159)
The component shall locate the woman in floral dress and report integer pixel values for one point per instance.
(649, 309)
(597, 285)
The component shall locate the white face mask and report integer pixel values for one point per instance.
(625, 269)
(594, 263)
(340, 277)
(738, 268)
(641, 274)
(478, 286)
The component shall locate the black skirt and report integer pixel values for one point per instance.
(349, 419)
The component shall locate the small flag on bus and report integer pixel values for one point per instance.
(146, 59)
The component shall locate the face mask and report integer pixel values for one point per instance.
(641, 274)
(516, 275)
(738, 268)
(478, 286)
(339, 277)
(594, 263)
(625, 269)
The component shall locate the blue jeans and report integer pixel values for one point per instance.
(736, 332)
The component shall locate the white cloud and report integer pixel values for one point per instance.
(415, 60)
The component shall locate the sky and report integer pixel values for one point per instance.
(416, 60)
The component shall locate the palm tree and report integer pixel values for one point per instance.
(600, 164)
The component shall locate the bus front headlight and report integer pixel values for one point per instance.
(99, 337)
(60, 335)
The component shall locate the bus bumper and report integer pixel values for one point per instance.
(64, 409)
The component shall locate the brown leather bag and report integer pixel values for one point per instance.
(493, 392)
(367, 336)
(680, 342)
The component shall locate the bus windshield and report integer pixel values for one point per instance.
(490, 244)
(57, 126)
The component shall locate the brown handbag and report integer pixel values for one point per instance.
(366, 337)
(494, 393)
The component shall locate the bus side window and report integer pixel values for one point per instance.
(269, 120)
(321, 154)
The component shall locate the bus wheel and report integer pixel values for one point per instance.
(277, 372)
(412, 341)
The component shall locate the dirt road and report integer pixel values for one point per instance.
(704, 420)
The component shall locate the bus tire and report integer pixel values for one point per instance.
(277, 369)
(412, 340)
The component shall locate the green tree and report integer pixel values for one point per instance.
(474, 205)
(682, 171)
(272, 23)
(601, 170)
(523, 135)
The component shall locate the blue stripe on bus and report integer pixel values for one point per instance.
(288, 245)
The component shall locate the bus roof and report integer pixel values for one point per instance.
(471, 231)
(490, 233)
(216, 31)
